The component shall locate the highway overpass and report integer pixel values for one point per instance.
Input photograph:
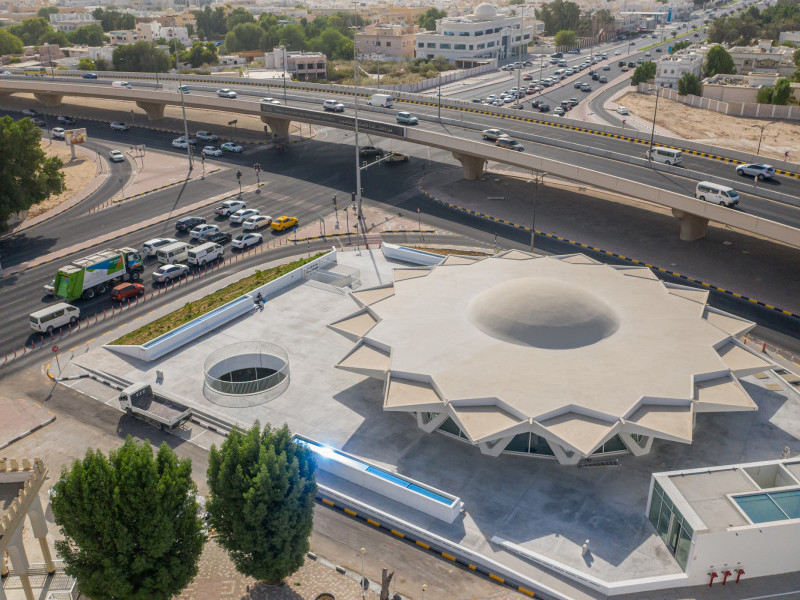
(692, 214)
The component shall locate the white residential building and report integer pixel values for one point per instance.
(672, 67)
(484, 34)
(67, 22)
(763, 58)
(789, 36)
(154, 30)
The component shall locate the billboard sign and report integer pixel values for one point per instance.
(75, 136)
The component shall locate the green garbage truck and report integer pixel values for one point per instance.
(95, 274)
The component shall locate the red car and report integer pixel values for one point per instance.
(527, 77)
(126, 290)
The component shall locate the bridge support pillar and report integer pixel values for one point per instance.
(279, 127)
(473, 165)
(693, 227)
(154, 110)
(49, 100)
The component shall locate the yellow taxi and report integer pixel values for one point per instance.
(282, 223)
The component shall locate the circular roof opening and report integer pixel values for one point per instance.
(542, 313)
(485, 11)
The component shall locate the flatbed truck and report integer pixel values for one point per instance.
(140, 401)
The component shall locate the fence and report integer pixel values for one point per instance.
(735, 109)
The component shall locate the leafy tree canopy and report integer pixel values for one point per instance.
(238, 15)
(89, 35)
(86, 64)
(261, 503)
(718, 60)
(559, 15)
(644, 72)
(27, 175)
(112, 20)
(200, 53)
(46, 11)
(689, 83)
(32, 31)
(782, 91)
(565, 37)
(141, 57)
(130, 523)
(10, 44)
(427, 20)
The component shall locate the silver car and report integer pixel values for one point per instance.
(168, 272)
(758, 171)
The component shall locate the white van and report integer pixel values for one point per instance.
(718, 194)
(384, 100)
(173, 253)
(200, 255)
(54, 316)
(121, 84)
(668, 156)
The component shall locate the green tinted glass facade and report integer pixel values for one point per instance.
(670, 525)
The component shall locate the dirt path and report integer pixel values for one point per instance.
(709, 127)
(78, 174)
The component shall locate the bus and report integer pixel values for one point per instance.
(35, 71)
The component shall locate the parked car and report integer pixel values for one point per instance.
(245, 240)
(226, 93)
(179, 143)
(509, 143)
(188, 223)
(282, 223)
(602, 79)
(559, 111)
(622, 110)
(243, 214)
(116, 156)
(166, 273)
(231, 147)
(606, 67)
(759, 172)
(218, 237)
(89, 75)
(206, 136)
(119, 126)
(212, 151)
(229, 207)
(150, 247)
(123, 291)
(256, 222)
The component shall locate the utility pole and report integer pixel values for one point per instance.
(355, 122)
(536, 180)
(653, 130)
(521, 41)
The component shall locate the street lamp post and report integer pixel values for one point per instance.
(439, 96)
(183, 104)
(761, 137)
(355, 122)
(521, 41)
(536, 180)
(284, 74)
(653, 130)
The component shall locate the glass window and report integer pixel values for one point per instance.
(478, 33)
(664, 519)
(449, 426)
(788, 502)
(481, 46)
(655, 509)
(420, 45)
(449, 32)
(684, 543)
(431, 45)
(460, 47)
(489, 44)
(444, 46)
(519, 443)
(463, 33)
(539, 445)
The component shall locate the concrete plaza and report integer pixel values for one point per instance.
(539, 504)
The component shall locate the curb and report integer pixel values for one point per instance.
(463, 563)
(613, 254)
(150, 191)
(30, 431)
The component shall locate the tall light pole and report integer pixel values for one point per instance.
(535, 180)
(439, 96)
(183, 104)
(521, 41)
(355, 122)
(761, 137)
(285, 65)
(653, 130)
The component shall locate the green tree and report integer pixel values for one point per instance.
(245, 36)
(10, 44)
(782, 91)
(86, 64)
(89, 35)
(112, 19)
(565, 37)
(796, 57)
(689, 83)
(679, 46)
(101, 64)
(427, 20)
(764, 94)
(262, 488)
(141, 57)
(46, 11)
(130, 523)
(644, 72)
(238, 15)
(32, 31)
(558, 15)
(200, 54)
(211, 24)
(718, 60)
(27, 175)
(332, 44)
(293, 36)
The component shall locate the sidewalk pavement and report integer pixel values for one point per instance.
(727, 258)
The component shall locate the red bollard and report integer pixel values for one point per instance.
(70, 327)
(95, 318)
(764, 347)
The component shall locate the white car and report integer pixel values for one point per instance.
(229, 207)
(179, 143)
(50, 288)
(256, 222)
(270, 101)
(231, 147)
(119, 126)
(150, 247)
(206, 136)
(617, 53)
(58, 133)
(240, 216)
(245, 240)
(758, 171)
(202, 230)
(212, 151)
(116, 156)
(167, 272)
(226, 93)
(622, 110)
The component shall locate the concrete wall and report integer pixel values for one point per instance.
(409, 255)
(198, 327)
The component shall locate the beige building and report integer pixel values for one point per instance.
(763, 58)
(671, 68)
(302, 65)
(741, 88)
(392, 41)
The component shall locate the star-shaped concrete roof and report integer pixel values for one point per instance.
(566, 347)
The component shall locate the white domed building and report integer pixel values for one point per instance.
(485, 34)
(560, 357)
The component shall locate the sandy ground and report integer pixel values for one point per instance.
(709, 127)
(78, 174)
